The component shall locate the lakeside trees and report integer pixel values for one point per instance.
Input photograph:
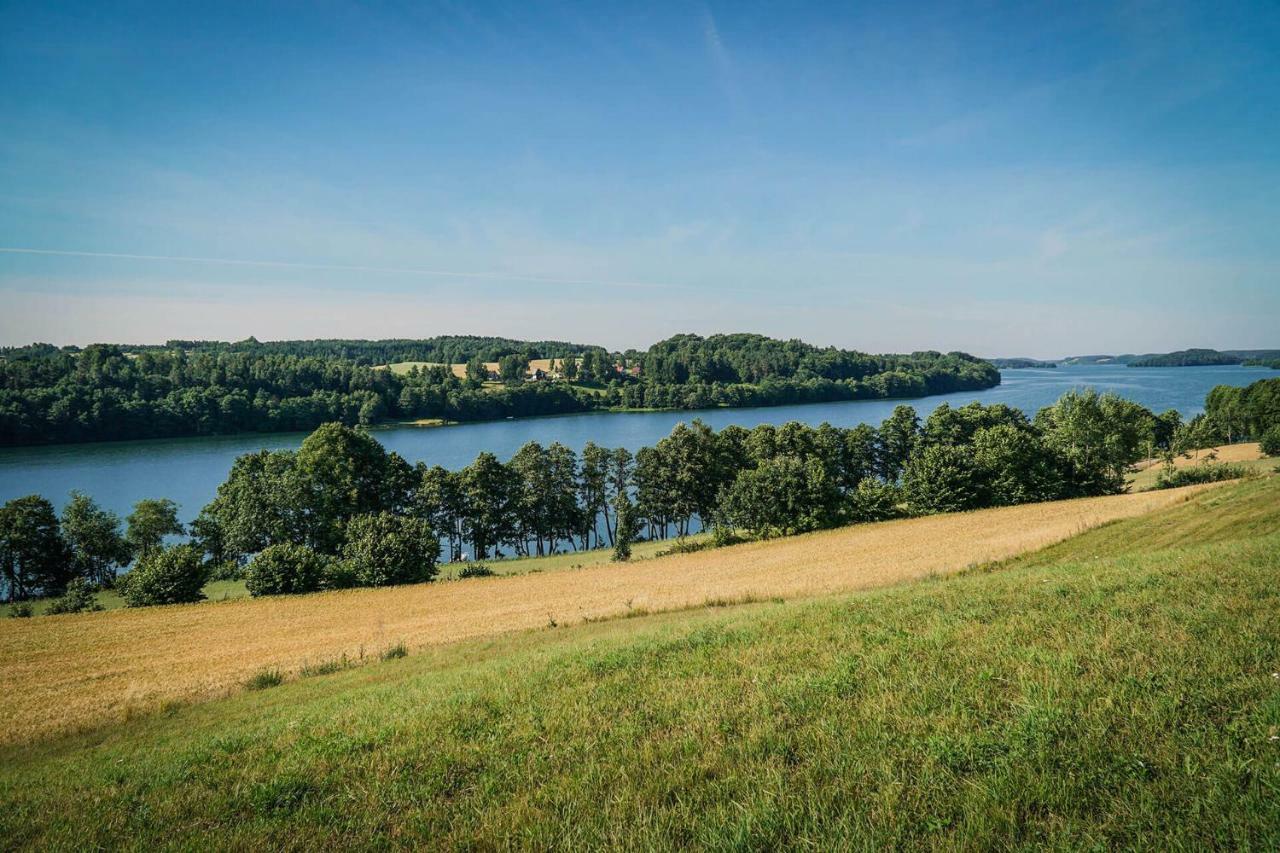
(110, 392)
(343, 511)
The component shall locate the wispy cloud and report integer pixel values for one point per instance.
(411, 271)
(721, 60)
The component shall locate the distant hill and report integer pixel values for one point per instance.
(1020, 363)
(1195, 357)
(1187, 358)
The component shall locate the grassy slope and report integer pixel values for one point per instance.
(1118, 689)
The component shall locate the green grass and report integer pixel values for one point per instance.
(1119, 689)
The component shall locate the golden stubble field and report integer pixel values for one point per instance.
(64, 673)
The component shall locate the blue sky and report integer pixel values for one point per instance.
(1001, 178)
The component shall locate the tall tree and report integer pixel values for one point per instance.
(490, 491)
(897, 439)
(152, 519)
(93, 534)
(34, 559)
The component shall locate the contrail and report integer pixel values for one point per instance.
(485, 276)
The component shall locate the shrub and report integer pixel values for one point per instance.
(1270, 443)
(264, 679)
(226, 570)
(21, 610)
(682, 545)
(943, 478)
(165, 576)
(285, 569)
(1202, 473)
(874, 501)
(327, 667)
(79, 598)
(384, 549)
(396, 651)
(338, 574)
(476, 570)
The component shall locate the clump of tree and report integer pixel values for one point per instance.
(343, 511)
(110, 392)
(174, 575)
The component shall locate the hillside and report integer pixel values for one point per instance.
(1115, 690)
(96, 667)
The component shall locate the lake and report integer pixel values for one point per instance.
(189, 470)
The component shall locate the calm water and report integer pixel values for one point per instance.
(189, 470)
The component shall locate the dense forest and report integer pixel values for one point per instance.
(342, 511)
(1186, 358)
(188, 388)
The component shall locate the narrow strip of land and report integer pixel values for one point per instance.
(65, 673)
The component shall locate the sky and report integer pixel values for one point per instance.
(1005, 179)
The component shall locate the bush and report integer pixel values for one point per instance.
(475, 570)
(165, 576)
(874, 501)
(285, 569)
(264, 679)
(338, 574)
(79, 598)
(1270, 443)
(226, 570)
(21, 610)
(1203, 473)
(943, 478)
(384, 549)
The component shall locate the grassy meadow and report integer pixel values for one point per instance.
(65, 673)
(1121, 688)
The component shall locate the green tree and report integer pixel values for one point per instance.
(593, 491)
(438, 500)
(626, 529)
(490, 492)
(874, 501)
(1270, 443)
(942, 478)
(896, 440)
(1016, 467)
(342, 473)
(1097, 437)
(78, 598)
(173, 575)
(511, 368)
(93, 534)
(34, 559)
(781, 496)
(286, 569)
(152, 519)
(384, 549)
(476, 371)
(259, 504)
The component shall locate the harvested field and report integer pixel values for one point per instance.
(63, 673)
(1243, 452)
(1248, 454)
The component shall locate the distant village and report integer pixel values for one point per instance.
(539, 370)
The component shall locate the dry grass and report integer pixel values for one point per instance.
(1247, 453)
(1244, 452)
(73, 672)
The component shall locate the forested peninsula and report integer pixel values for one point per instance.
(107, 392)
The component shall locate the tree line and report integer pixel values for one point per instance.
(342, 511)
(191, 388)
